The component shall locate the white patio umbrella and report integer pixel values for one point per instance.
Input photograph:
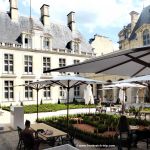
(88, 95)
(122, 95)
(132, 62)
(38, 85)
(68, 82)
(141, 79)
(123, 87)
(144, 79)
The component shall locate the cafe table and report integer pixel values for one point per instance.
(132, 128)
(145, 113)
(48, 132)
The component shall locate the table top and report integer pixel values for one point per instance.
(64, 147)
(134, 127)
(49, 131)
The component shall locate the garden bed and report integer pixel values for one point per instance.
(94, 128)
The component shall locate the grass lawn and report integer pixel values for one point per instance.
(50, 107)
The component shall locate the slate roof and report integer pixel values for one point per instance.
(143, 19)
(61, 35)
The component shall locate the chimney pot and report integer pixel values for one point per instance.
(134, 18)
(71, 21)
(14, 10)
(45, 15)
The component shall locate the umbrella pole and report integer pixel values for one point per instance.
(123, 104)
(37, 104)
(67, 110)
(68, 88)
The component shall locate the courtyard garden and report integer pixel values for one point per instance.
(92, 128)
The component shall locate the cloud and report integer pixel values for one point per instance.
(90, 14)
(4, 5)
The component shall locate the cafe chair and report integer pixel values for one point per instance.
(51, 142)
(69, 139)
(124, 140)
(20, 142)
(28, 141)
(144, 136)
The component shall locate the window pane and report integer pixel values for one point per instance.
(6, 68)
(11, 95)
(6, 95)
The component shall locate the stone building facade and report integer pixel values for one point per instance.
(101, 45)
(29, 46)
(136, 33)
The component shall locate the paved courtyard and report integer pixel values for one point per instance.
(9, 137)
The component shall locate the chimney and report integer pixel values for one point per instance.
(45, 15)
(134, 18)
(71, 21)
(14, 10)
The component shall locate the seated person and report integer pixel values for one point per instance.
(123, 125)
(28, 137)
(124, 135)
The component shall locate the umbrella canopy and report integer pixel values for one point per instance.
(133, 62)
(68, 82)
(136, 79)
(143, 79)
(122, 95)
(123, 85)
(38, 85)
(88, 95)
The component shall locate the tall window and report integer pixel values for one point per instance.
(47, 92)
(28, 41)
(9, 90)
(28, 91)
(76, 46)
(146, 37)
(62, 63)
(28, 64)
(8, 63)
(77, 91)
(61, 91)
(46, 63)
(76, 62)
(46, 43)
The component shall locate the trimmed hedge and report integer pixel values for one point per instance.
(101, 121)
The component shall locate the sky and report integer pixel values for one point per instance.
(102, 17)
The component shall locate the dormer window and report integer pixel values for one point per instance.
(28, 41)
(46, 43)
(146, 37)
(76, 46)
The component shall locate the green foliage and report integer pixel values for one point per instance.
(102, 128)
(97, 121)
(91, 138)
(146, 109)
(48, 107)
